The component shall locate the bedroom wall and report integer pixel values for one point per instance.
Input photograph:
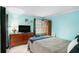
(19, 20)
(66, 26)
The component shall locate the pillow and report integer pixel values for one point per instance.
(39, 38)
(38, 35)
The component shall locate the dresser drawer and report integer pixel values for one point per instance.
(18, 39)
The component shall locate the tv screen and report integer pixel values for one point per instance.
(24, 28)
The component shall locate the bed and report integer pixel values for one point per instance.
(47, 44)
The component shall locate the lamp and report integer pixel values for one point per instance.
(14, 30)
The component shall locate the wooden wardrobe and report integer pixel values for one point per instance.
(43, 27)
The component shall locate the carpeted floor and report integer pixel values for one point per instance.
(18, 49)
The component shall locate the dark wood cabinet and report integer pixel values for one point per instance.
(18, 39)
(2, 29)
(49, 27)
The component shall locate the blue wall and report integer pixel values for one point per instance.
(66, 26)
(20, 20)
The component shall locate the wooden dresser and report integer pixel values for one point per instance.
(18, 39)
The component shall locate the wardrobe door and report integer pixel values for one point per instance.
(47, 27)
(2, 29)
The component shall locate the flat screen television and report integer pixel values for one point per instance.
(24, 28)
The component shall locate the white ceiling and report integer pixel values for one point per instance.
(45, 10)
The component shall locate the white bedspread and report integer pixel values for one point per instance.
(49, 45)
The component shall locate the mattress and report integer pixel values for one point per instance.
(49, 45)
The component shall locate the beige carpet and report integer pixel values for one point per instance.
(18, 49)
